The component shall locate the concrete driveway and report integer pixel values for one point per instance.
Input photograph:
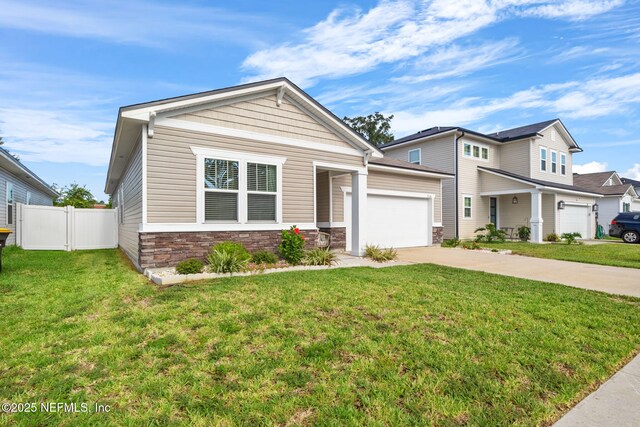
(613, 280)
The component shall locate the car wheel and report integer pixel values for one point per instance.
(630, 237)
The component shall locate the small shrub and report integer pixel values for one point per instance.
(471, 245)
(264, 257)
(570, 238)
(489, 233)
(190, 266)
(228, 257)
(524, 233)
(292, 246)
(494, 250)
(450, 243)
(319, 256)
(552, 237)
(378, 254)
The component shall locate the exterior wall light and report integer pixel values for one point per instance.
(514, 200)
(561, 204)
(595, 208)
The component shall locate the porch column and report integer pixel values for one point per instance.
(358, 212)
(536, 216)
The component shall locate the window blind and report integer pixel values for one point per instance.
(220, 206)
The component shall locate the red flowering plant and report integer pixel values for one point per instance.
(292, 246)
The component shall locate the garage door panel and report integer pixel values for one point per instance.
(574, 218)
(394, 221)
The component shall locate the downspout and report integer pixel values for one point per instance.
(455, 160)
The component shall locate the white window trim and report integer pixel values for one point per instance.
(480, 147)
(551, 162)
(419, 156)
(8, 189)
(464, 196)
(28, 200)
(546, 159)
(242, 158)
(563, 157)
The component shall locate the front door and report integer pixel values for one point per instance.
(493, 210)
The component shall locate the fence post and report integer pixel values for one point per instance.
(69, 210)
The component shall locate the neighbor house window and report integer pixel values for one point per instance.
(221, 190)
(262, 189)
(414, 156)
(554, 161)
(563, 163)
(28, 197)
(543, 159)
(121, 206)
(9, 203)
(467, 206)
(476, 151)
(626, 207)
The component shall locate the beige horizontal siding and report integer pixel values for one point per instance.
(515, 157)
(490, 182)
(263, 115)
(448, 208)
(560, 145)
(322, 196)
(131, 184)
(171, 170)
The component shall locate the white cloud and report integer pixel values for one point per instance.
(633, 172)
(134, 22)
(574, 99)
(353, 42)
(572, 9)
(591, 167)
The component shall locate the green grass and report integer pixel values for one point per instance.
(615, 254)
(405, 345)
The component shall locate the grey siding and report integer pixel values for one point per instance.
(131, 186)
(20, 189)
(516, 157)
(435, 153)
(171, 187)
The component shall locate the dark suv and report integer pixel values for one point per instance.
(627, 226)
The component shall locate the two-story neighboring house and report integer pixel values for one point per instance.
(517, 177)
(617, 196)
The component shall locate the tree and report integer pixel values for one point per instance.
(74, 195)
(15, 156)
(375, 128)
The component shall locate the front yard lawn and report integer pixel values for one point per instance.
(406, 345)
(615, 254)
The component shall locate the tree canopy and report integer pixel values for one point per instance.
(74, 195)
(375, 128)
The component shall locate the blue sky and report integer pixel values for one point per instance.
(66, 67)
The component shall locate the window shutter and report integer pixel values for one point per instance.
(220, 206)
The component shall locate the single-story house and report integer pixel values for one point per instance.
(617, 196)
(19, 185)
(245, 162)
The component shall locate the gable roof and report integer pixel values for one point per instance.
(630, 181)
(16, 168)
(131, 117)
(592, 180)
(504, 136)
(539, 182)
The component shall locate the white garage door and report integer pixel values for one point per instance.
(394, 221)
(574, 218)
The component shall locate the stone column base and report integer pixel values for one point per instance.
(437, 235)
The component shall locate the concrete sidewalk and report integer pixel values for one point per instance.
(613, 280)
(615, 403)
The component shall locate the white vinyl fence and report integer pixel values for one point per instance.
(65, 228)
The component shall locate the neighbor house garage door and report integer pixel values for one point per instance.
(574, 218)
(394, 221)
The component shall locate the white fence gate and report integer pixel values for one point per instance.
(65, 228)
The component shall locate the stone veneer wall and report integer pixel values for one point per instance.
(168, 249)
(338, 237)
(437, 235)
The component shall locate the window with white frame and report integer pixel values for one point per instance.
(9, 199)
(626, 207)
(467, 206)
(563, 163)
(414, 156)
(221, 189)
(554, 161)
(262, 191)
(543, 159)
(476, 151)
(28, 197)
(120, 206)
